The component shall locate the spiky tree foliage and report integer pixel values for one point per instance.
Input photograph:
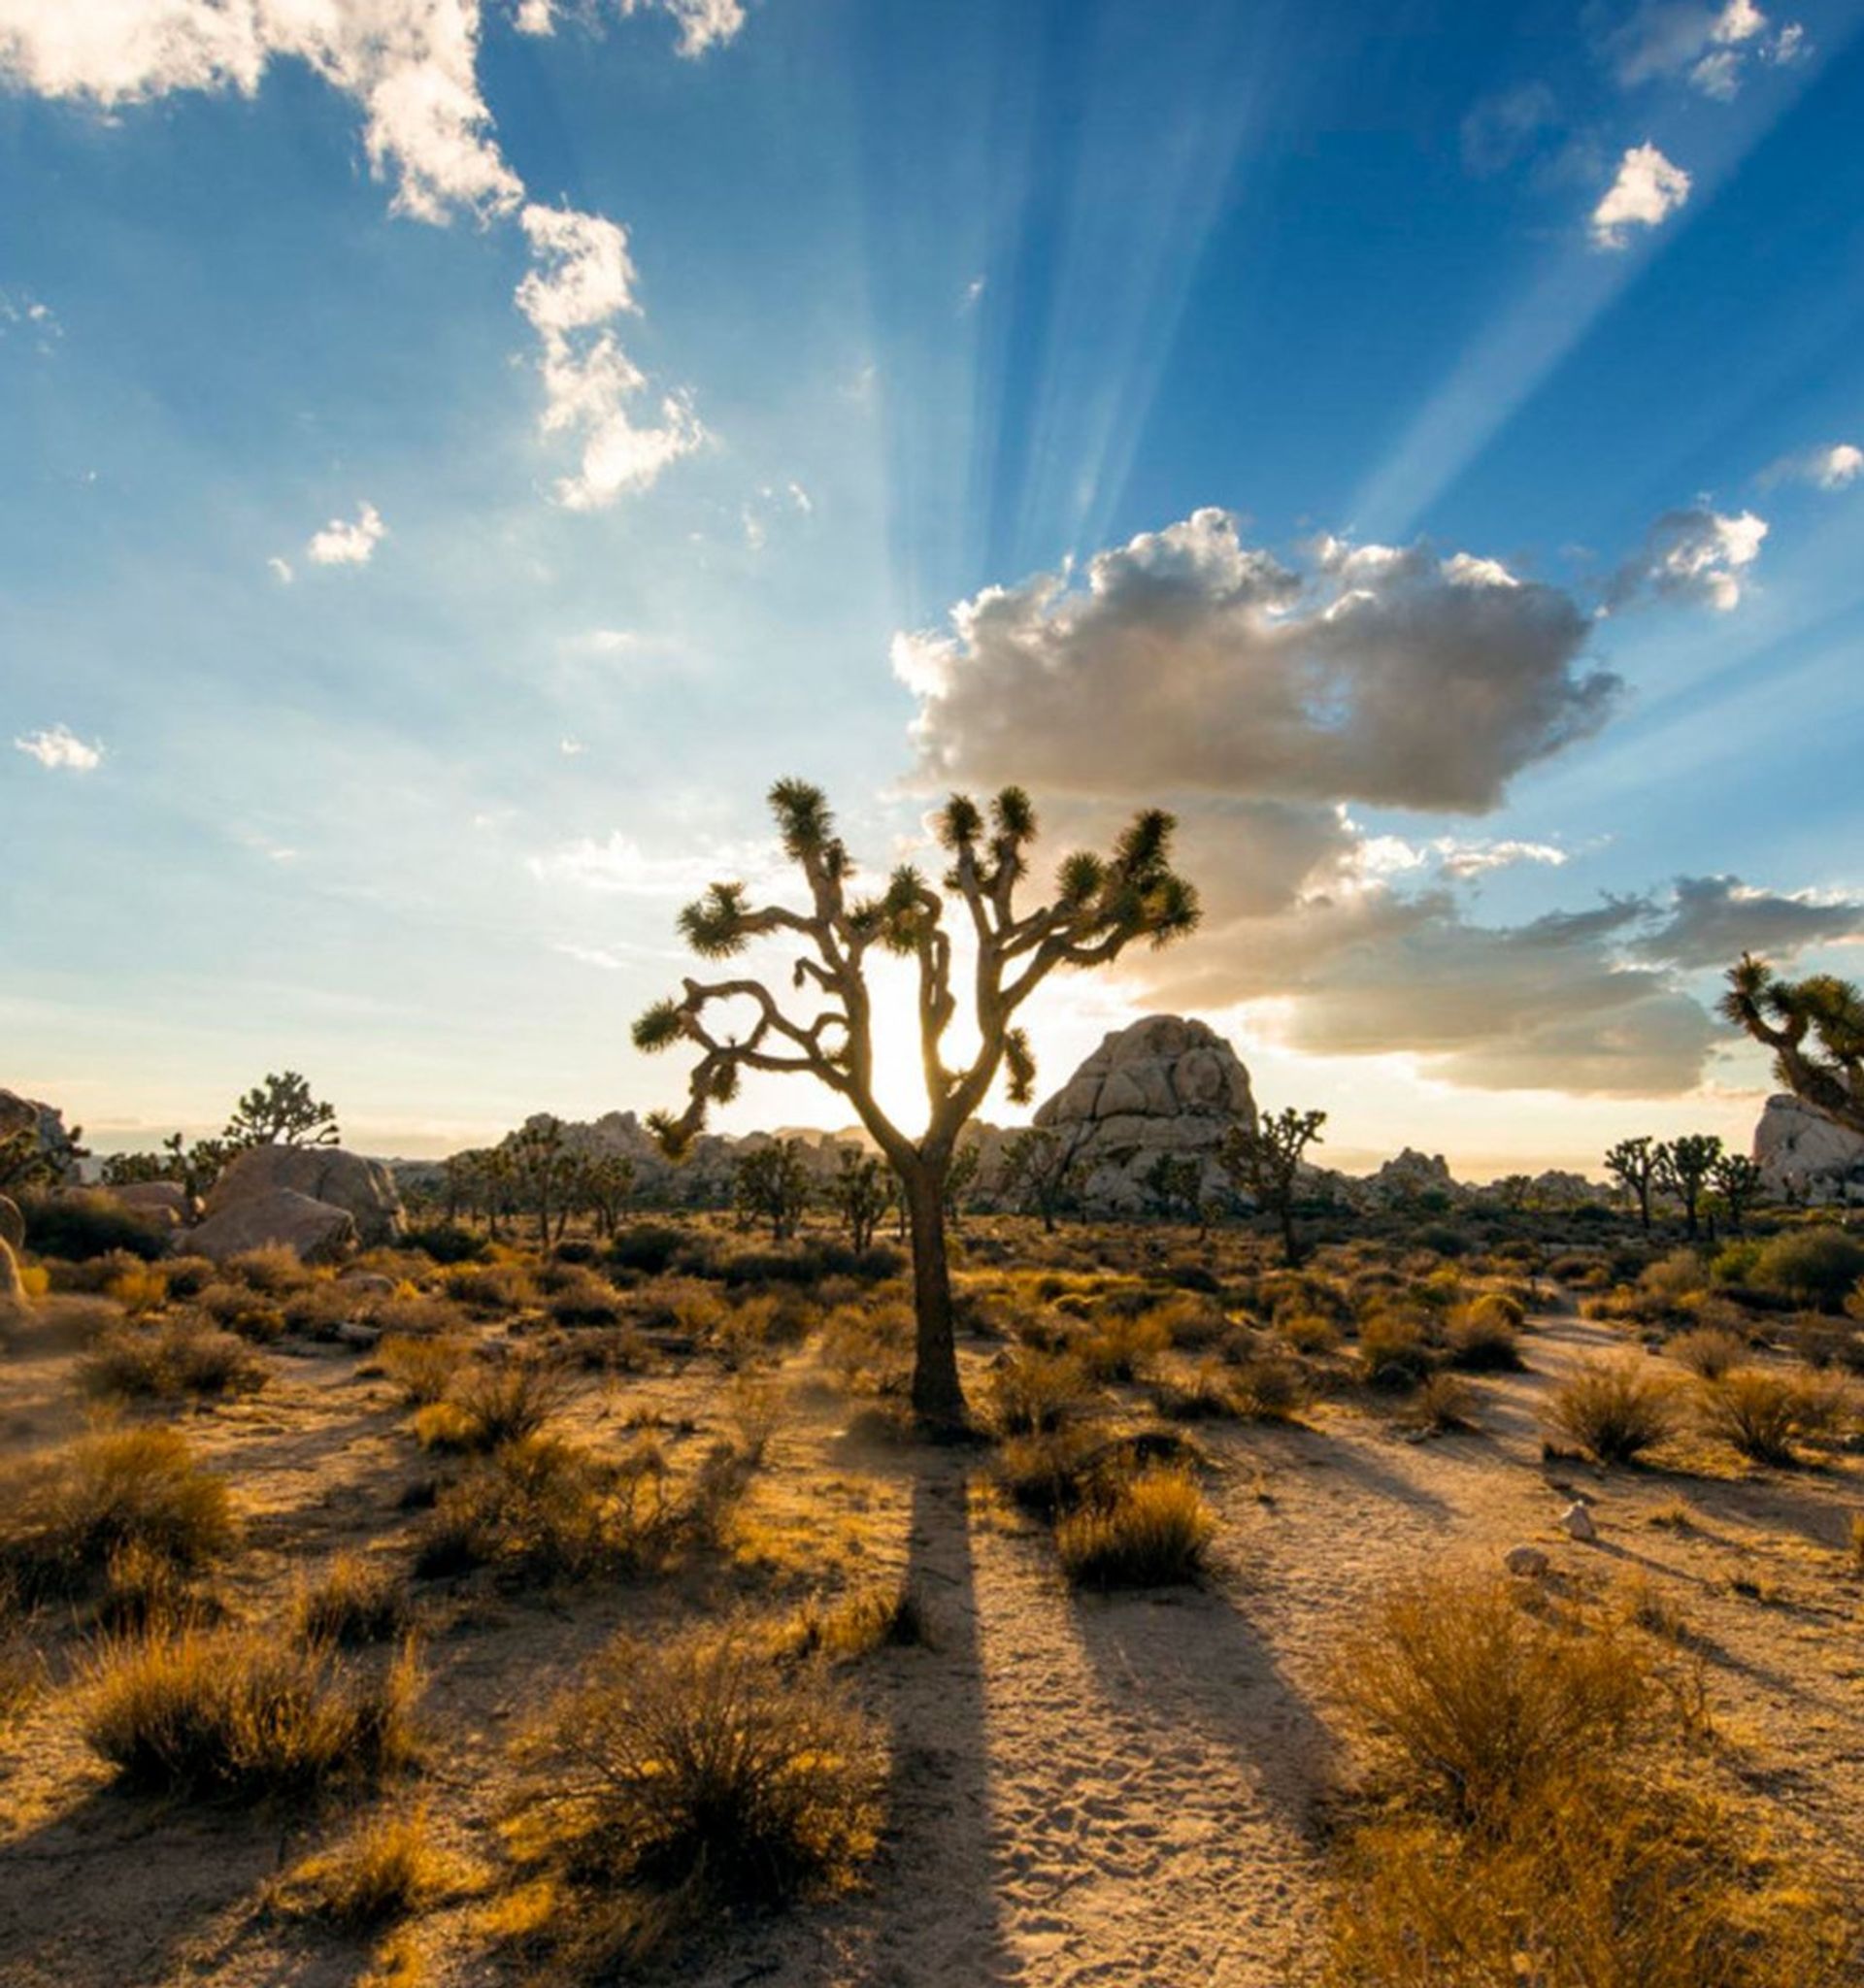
(1815, 1029)
(606, 1183)
(1736, 1181)
(967, 1163)
(860, 1192)
(24, 1163)
(1633, 1164)
(772, 1183)
(1683, 1167)
(1038, 1175)
(543, 1171)
(1264, 1161)
(1101, 906)
(282, 1111)
(1175, 1182)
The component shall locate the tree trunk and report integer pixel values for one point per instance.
(1290, 1241)
(937, 1397)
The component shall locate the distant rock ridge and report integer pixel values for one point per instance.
(1804, 1155)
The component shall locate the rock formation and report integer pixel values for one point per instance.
(47, 1125)
(1410, 1178)
(1806, 1157)
(363, 1189)
(278, 1217)
(1164, 1085)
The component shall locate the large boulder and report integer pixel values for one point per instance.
(1165, 1085)
(162, 1203)
(314, 1231)
(363, 1188)
(1413, 1179)
(46, 1126)
(1806, 1157)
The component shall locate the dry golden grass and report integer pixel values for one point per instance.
(65, 1517)
(492, 1404)
(353, 1602)
(421, 1369)
(1614, 1412)
(389, 1867)
(873, 1618)
(1032, 1393)
(242, 1713)
(1768, 1416)
(1708, 1352)
(168, 1362)
(1153, 1530)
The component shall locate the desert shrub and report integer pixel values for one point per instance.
(1822, 1342)
(1766, 1415)
(873, 1618)
(353, 1602)
(648, 1248)
(167, 1362)
(274, 1270)
(491, 1286)
(1708, 1352)
(139, 1291)
(540, 1509)
(1150, 1530)
(61, 1321)
(1191, 1321)
(577, 1296)
(238, 1309)
(492, 1402)
(869, 1347)
(1046, 1474)
(243, 1714)
(1122, 1349)
(1672, 1278)
(1444, 1403)
(447, 1243)
(421, 1369)
(1614, 1412)
(690, 1779)
(144, 1589)
(1308, 1332)
(82, 1228)
(1394, 1349)
(386, 1867)
(1736, 1262)
(1584, 1269)
(1267, 1388)
(188, 1276)
(22, 1672)
(1485, 1334)
(64, 1517)
(1817, 1266)
(1478, 1703)
(756, 1410)
(1206, 1393)
(1032, 1393)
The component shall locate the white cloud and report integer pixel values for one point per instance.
(1694, 554)
(1647, 189)
(1708, 47)
(1829, 466)
(346, 543)
(60, 749)
(702, 23)
(571, 748)
(280, 569)
(616, 865)
(23, 314)
(1192, 663)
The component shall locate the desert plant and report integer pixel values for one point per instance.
(1814, 1028)
(1444, 1403)
(1263, 1160)
(492, 1402)
(1684, 1166)
(243, 1714)
(385, 1867)
(280, 1111)
(1708, 1352)
(1818, 1266)
(188, 1357)
(353, 1602)
(1633, 1164)
(772, 1184)
(1614, 1412)
(1485, 1334)
(1394, 1349)
(422, 1369)
(63, 1517)
(1100, 907)
(860, 1191)
(692, 1776)
(1150, 1530)
(1032, 1393)
(1767, 1416)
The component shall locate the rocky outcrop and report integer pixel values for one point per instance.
(280, 1217)
(1411, 1180)
(1165, 1085)
(363, 1189)
(164, 1203)
(1806, 1157)
(46, 1123)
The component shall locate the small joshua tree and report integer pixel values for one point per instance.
(606, 1181)
(1633, 1164)
(1038, 1175)
(772, 1184)
(1264, 1160)
(1101, 906)
(1735, 1179)
(1175, 1182)
(282, 1111)
(544, 1171)
(861, 1194)
(1814, 1028)
(1683, 1166)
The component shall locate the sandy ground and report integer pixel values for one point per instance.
(1085, 1790)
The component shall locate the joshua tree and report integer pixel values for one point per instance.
(1814, 1028)
(1633, 1164)
(774, 1183)
(1735, 1179)
(967, 1163)
(1038, 1175)
(1683, 1168)
(606, 1181)
(282, 1111)
(1176, 1182)
(541, 1169)
(1264, 1160)
(1101, 906)
(860, 1193)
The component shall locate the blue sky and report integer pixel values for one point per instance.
(1421, 447)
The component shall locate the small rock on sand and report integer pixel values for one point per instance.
(1577, 1523)
(1527, 1561)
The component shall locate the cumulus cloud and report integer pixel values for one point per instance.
(1712, 920)
(1189, 662)
(702, 23)
(1647, 189)
(1828, 466)
(1461, 858)
(582, 280)
(1708, 47)
(59, 750)
(346, 542)
(1691, 555)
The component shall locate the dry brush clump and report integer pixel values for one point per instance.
(388, 1867)
(1151, 1529)
(354, 1601)
(1768, 1416)
(686, 1780)
(242, 1713)
(168, 1362)
(488, 1404)
(65, 1518)
(1614, 1412)
(1538, 1818)
(1484, 1334)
